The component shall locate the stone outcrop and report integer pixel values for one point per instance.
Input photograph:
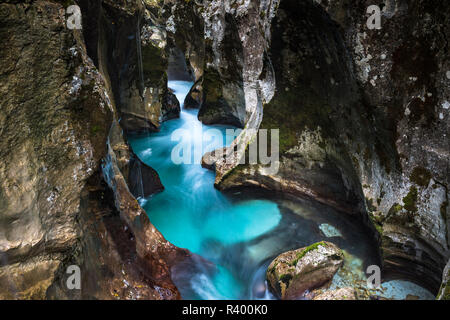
(132, 49)
(171, 108)
(194, 98)
(295, 272)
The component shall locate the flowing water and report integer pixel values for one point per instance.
(234, 237)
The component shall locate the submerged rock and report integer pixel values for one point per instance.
(295, 272)
(329, 231)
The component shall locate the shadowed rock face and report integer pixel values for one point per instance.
(194, 98)
(177, 68)
(132, 50)
(405, 176)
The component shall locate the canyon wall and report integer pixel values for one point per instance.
(65, 167)
(363, 119)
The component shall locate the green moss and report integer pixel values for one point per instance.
(285, 113)
(379, 228)
(395, 209)
(312, 247)
(420, 176)
(95, 129)
(410, 200)
(444, 291)
(272, 270)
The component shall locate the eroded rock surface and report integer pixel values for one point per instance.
(293, 273)
(60, 94)
(357, 109)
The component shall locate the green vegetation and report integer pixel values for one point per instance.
(272, 270)
(420, 176)
(285, 112)
(395, 209)
(410, 200)
(95, 129)
(312, 247)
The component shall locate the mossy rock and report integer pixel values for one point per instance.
(294, 272)
(420, 176)
(410, 200)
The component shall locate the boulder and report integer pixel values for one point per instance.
(171, 108)
(295, 272)
(194, 98)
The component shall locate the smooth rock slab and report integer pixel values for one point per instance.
(293, 273)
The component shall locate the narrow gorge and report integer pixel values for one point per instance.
(126, 149)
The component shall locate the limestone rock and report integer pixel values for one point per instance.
(379, 132)
(194, 98)
(293, 273)
(171, 108)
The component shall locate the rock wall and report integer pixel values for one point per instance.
(62, 95)
(54, 119)
(402, 69)
(363, 118)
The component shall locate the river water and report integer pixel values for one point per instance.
(235, 236)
